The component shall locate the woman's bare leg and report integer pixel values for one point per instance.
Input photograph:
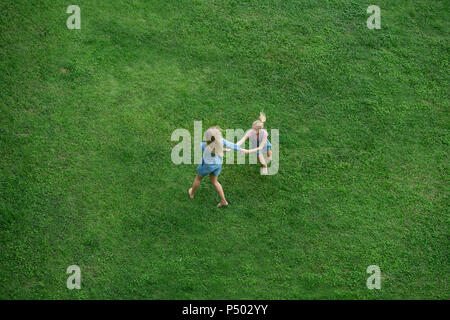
(219, 189)
(263, 163)
(195, 186)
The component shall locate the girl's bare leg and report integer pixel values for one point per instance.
(219, 189)
(262, 160)
(269, 155)
(263, 163)
(195, 185)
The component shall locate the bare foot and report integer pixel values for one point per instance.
(264, 170)
(222, 204)
(190, 193)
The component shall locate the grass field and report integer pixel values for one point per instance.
(86, 176)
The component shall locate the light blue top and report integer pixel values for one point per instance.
(212, 163)
(211, 158)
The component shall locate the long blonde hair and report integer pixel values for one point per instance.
(213, 138)
(259, 124)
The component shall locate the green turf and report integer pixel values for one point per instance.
(86, 176)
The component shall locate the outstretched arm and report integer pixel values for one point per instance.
(229, 145)
(245, 137)
(262, 144)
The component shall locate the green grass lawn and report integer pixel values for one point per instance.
(86, 176)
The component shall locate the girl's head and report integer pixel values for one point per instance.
(213, 138)
(259, 124)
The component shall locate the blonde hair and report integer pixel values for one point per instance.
(213, 138)
(259, 124)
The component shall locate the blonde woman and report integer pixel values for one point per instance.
(259, 140)
(212, 159)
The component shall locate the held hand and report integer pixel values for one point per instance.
(244, 151)
(226, 150)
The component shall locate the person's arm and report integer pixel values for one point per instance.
(250, 151)
(233, 146)
(228, 144)
(262, 144)
(245, 137)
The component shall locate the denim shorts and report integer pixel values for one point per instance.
(205, 169)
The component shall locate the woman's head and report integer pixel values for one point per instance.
(259, 124)
(213, 138)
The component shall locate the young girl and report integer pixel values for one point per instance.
(212, 161)
(258, 139)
